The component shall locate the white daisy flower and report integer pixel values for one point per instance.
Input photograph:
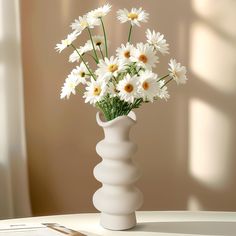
(177, 72)
(163, 92)
(95, 91)
(109, 67)
(81, 73)
(66, 42)
(134, 16)
(100, 12)
(98, 41)
(83, 49)
(124, 52)
(69, 86)
(84, 22)
(145, 56)
(157, 41)
(74, 56)
(128, 88)
(148, 86)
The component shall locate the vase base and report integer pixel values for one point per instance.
(118, 222)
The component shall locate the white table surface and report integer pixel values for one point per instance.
(184, 223)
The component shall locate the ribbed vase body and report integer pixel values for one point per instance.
(118, 198)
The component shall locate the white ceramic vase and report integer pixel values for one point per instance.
(118, 198)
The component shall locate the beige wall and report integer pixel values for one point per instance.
(186, 146)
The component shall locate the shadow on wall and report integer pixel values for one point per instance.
(212, 113)
(198, 172)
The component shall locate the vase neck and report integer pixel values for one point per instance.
(117, 130)
(117, 134)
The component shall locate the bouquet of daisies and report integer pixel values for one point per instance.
(122, 82)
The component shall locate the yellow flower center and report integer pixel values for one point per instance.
(72, 85)
(66, 42)
(132, 16)
(145, 85)
(96, 91)
(127, 54)
(143, 58)
(129, 88)
(84, 24)
(112, 68)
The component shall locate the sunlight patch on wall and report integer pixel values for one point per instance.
(17, 34)
(209, 138)
(212, 58)
(208, 8)
(219, 13)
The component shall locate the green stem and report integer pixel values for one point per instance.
(83, 61)
(101, 51)
(130, 30)
(91, 38)
(105, 36)
(163, 77)
(166, 83)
